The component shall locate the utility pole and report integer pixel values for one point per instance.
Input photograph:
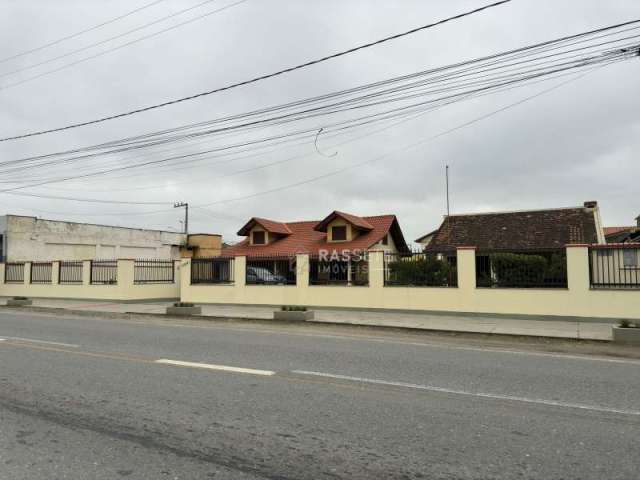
(186, 214)
(446, 174)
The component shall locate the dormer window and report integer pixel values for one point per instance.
(338, 233)
(258, 238)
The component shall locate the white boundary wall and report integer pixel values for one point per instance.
(124, 290)
(578, 300)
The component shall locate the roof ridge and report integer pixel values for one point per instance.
(506, 212)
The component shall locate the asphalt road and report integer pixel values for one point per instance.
(85, 398)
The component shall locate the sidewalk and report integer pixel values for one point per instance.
(586, 330)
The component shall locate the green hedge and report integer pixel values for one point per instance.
(426, 271)
(517, 269)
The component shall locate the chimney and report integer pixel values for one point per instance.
(590, 204)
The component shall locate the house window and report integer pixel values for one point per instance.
(630, 258)
(259, 238)
(385, 240)
(339, 233)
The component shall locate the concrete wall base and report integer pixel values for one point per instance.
(627, 336)
(184, 311)
(293, 316)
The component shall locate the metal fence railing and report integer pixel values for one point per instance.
(521, 268)
(14, 272)
(343, 271)
(104, 272)
(614, 266)
(41, 272)
(272, 270)
(212, 270)
(419, 269)
(153, 271)
(70, 272)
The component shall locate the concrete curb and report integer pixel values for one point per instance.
(231, 319)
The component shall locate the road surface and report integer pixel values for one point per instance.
(101, 398)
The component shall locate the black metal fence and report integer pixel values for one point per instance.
(339, 271)
(70, 272)
(212, 270)
(104, 272)
(41, 272)
(419, 269)
(153, 271)
(272, 270)
(521, 268)
(14, 272)
(614, 267)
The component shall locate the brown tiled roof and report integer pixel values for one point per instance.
(613, 230)
(517, 230)
(304, 238)
(359, 222)
(269, 225)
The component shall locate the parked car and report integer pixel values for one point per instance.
(261, 275)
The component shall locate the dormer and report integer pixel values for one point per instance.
(343, 227)
(261, 231)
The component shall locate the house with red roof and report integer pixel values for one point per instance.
(337, 247)
(338, 233)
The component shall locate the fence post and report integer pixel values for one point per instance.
(86, 272)
(27, 273)
(466, 266)
(176, 273)
(185, 278)
(578, 267)
(376, 269)
(302, 270)
(240, 271)
(125, 272)
(55, 273)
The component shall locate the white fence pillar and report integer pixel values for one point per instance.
(302, 271)
(466, 266)
(55, 273)
(376, 269)
(86, 272)
(27, 273)
(240, 272)
(578, 268)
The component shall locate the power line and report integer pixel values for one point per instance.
(387, 96)
(395, 151)
(102, 42)
(99, 54)
(445, 99)
(81, 32)
(262, 77)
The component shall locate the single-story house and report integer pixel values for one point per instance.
(517, 230)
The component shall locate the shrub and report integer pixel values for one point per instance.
(183, 304)
(624, 323)
(20, 298)
(513, 269)
(422, 271)
(293, 308)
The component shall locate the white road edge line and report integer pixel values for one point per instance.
(208, 366)
(46, 342)
(494, 396)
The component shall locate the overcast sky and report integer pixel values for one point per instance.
(577, 143)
